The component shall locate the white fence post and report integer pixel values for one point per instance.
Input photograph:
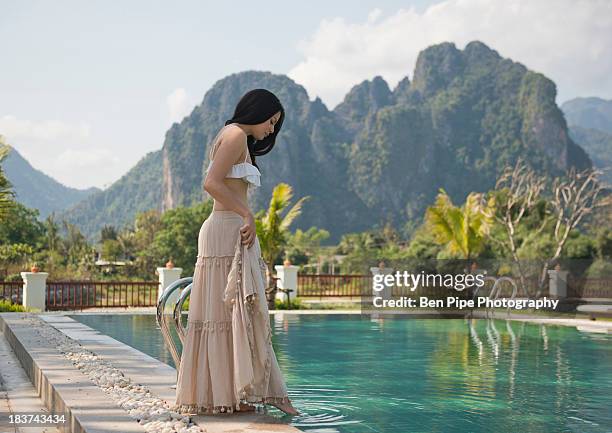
(287, 279)
(557, 283)
(34, 289)
(167, 275)
(386, 292)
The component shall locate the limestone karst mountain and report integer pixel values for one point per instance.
(379, 156)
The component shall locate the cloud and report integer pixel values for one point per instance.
(71, 159)
(64, 151)
(14, 128)
(82, 168)
(374, 15)
(567, 40)
(178, 104)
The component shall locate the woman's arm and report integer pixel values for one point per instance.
(233, 142)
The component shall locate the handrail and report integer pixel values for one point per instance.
(163, 321)
(495, 291)
(178, 313)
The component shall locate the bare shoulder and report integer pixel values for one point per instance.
(235, 135)
(233, 140)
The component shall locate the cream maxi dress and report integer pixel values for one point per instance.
(228, 356)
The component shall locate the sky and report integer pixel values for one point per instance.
(88, 88)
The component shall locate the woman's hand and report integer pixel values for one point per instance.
(247, 231)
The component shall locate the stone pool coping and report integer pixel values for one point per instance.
(61, 387)
(17, 394)
(64, 389)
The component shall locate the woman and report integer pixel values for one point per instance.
(228, 361)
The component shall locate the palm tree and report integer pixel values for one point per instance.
(75, 245)
(53, 238)
(463, 230)
(108, 232)
(6, 193)
(272, 230)
(125, 240)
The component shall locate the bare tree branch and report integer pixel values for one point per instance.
(524, 188)
(574, 197)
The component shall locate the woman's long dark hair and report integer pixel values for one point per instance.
(257, 106)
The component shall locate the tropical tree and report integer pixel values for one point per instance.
(111, 250)
(79, 254)
(570, 200)
(14, 254)
(574, 196)
(113, 243)
(22, 226)
(177, 238)
(146, 225)
(21, 235)
(273, 228)
(6, 193)
(462, 229)
(126, 241)
(302, 246)
(362, 250)
(52, 236)
(108, 232)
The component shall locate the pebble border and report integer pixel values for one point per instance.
(153, 413)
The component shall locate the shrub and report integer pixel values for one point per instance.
(600, 269)
(7, 306)
(295, 304)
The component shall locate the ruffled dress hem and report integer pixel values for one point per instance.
(195, 409)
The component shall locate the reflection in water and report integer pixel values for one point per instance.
(353, 374)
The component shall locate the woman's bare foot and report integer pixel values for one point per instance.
(286, 407)
(246, 407)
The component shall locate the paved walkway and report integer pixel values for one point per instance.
(17, 394)
(585, 325)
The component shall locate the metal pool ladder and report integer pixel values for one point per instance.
(163, 320)
(496, 290)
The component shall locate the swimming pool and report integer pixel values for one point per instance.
(348, 373)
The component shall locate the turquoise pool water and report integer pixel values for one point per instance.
(348, 374)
